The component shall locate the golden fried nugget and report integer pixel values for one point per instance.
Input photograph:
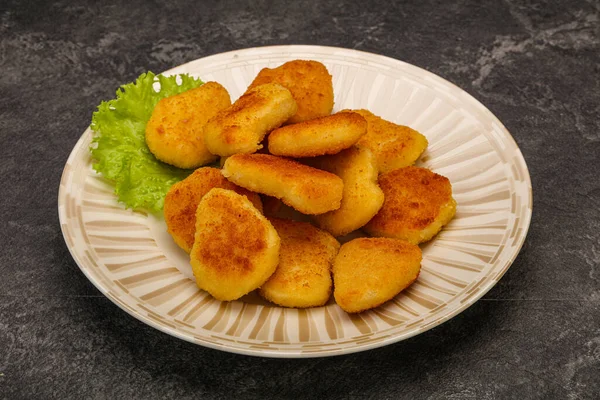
(394, 146)
(310, 84)
(174, 131)
(308, 190)
(418, 203)
(236, 249)
(325, 135)
(367, 272)
(182, 201)
(362, 197)
(241, 127)
(303, 276)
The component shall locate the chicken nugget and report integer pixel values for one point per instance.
(241, 127)
(303, 276)
(182, 201)
(310, 84)
(367, 272)
(394, 146)
(418, 203)
(362, 197)
(174, 131)
(308, 190)
(325, 135)
(236, 249)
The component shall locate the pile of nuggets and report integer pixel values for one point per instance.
(279, 143)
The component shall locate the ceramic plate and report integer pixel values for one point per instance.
(133, 261)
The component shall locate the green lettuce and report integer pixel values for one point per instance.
(119, 147)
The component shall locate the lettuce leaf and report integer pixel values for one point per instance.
(119, 147)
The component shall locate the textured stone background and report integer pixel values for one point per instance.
(536, 65)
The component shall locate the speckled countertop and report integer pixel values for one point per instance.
(536, 65)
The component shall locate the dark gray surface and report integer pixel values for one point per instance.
(536, 65)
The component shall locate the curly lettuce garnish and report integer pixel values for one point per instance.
(119, 147)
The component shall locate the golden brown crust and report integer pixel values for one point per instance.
(174, 131)
(310, 83)
(394, 146)
(367, 272)
(308, 190)
(236, 249)
(362, 197)
(325, 135)
(241, 127)
(183, 198)
(418, 202)
(303, 277)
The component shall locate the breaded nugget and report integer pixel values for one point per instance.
(362, 197)
(174, 131)
(417, 204)
(236, 249)
(241, 127)
(303, 276)
(182, 201)
(310, 84)
(308, 190)
(394, 146)
(367, 272)
(325, 135)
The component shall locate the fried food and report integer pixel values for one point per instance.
(394, 146)
(308, 190)
(367, 272)
(325, 135)
(310, 84)
(174, 131)
(236, 249)
(418, 203)
(303, 276)
(183, 198)
(362, 197)
(241, 127)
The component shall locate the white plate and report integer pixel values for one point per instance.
(133, 261)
